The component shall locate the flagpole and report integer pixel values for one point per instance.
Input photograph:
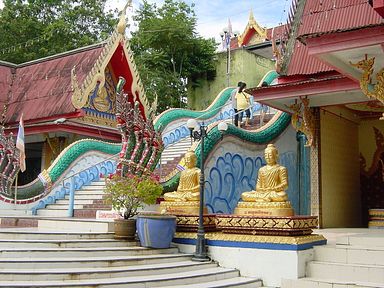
(17, 177)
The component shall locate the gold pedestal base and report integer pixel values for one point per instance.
(182, 208)
(280, 209)
(266, 225)
(187, 215)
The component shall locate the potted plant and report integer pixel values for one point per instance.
(127, 194)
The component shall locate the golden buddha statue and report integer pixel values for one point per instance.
(101, 100)
(272, 180)
(189, 188)
(269, 198)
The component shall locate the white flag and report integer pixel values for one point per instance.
(20, 144)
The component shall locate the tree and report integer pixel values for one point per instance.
(32, 29)
(169, 52)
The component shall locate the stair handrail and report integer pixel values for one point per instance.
(201, 116)
(72, 183)
(231, 117)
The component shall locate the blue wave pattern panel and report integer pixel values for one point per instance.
(234, 174)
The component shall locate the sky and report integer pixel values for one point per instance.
(213, 15)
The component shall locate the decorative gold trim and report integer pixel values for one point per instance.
(376, 212)
(375, 91)
(307, 125)
(189, 208)
(46, 179)
(98, 120)
(180, 204)
(293, 240)
(265, 223)
(243, 204)
(252, 24)
(137, 87)
(375, 224)
(194, 220)
(81, 94)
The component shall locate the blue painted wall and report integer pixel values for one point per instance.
(233, 166)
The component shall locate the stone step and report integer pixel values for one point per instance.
(173, 152)
(77, 225)
(205, 275)
(243, 282)
(92, 187)
(350, 254)
(15, 212)
(34, 257)
(168, 159)
(97, 183)
(345, 272)
(76, 243)
(79, 213)
(52, 235)
(81, 252)
(46, 212)
(79, 262)
(77, 201)
(176, 148)
(373, 239)
(89, 196)
(310, 282)
(81, 273)
(89, 192)
(63, 206)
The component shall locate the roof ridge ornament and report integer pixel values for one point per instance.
(373, 91)
(303, 120)
(96, 75)
(252, 24)
(122, 25)
(251, 16)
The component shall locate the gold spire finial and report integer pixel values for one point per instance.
(251, 17)
(122, 23)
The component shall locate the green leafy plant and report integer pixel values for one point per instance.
(127, 194)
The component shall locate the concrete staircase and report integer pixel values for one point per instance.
(175, 150)
(171, 156)
(40, 258)
(87, 201)
(353, 261)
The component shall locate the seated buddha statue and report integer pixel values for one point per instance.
(189, 187)
(272, 180)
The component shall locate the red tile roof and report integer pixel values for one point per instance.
(42, 88)
(302, 63)
(279, 32)
(336, 15)
(5, 81)
(325, 16)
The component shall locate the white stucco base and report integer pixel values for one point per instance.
(271, 266)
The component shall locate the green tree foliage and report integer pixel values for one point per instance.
(32, 29)
(169, 52)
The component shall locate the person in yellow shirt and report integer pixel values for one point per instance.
(243, 104)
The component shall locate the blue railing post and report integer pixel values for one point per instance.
(71, 196)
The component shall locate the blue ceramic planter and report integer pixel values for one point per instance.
(156, 231)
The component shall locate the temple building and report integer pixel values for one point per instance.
(330, 65)
(246, 57)
(66, 97)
